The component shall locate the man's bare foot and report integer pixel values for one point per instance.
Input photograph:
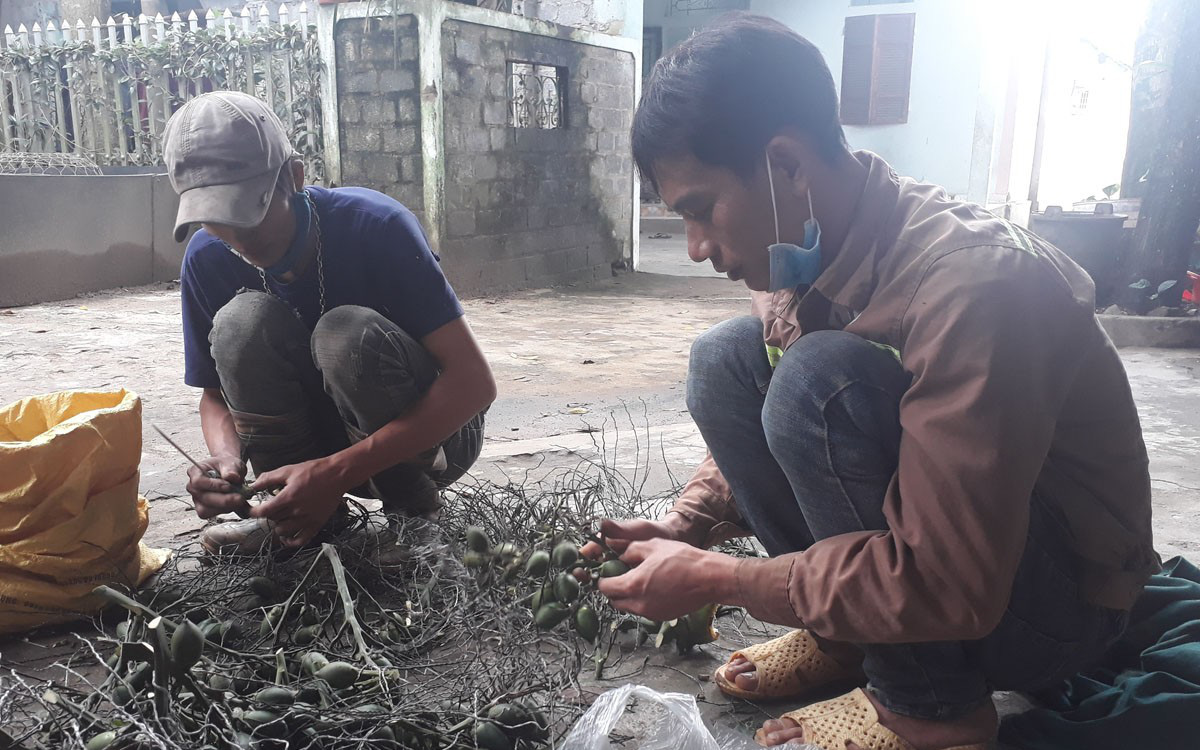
(979, 726)
(742, 673)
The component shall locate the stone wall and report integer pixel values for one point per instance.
(379, 115)
(423, 115)
(529, 206)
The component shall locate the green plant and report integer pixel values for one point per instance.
(112, 101)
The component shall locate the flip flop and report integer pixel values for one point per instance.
(787, 667)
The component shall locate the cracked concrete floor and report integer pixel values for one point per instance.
(582, 371)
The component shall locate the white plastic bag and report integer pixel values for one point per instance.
(673, 723)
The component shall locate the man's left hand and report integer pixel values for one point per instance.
(310, 494)
(670, 579)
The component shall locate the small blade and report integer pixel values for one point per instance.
(244, 510)
(181, 450)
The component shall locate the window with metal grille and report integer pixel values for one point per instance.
(877, 69)
(1079, 97)
(536, 95)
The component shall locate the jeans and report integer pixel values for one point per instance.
(809, 449)
(296, 396)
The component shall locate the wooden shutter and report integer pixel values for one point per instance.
(857, 52)
(877, 69)
(892, 71)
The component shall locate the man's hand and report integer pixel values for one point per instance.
(311, 492)
(212, 497)
(670, 579)
(618, 534)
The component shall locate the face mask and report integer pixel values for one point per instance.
(303, 212)
(794, 265)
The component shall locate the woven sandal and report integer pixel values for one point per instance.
(787, 667)
(833, 724)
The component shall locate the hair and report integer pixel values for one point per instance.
(723, 94)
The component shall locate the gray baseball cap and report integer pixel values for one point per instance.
(224, 151)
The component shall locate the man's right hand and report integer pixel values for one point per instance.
(618, 534)
(213, 497)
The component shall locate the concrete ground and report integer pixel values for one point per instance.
(581, 371)
(574, 367)
(664, 251)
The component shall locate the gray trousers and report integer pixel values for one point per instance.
(296, 396)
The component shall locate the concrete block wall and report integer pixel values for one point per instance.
(379, 107)
(526, 206)
(421, 113)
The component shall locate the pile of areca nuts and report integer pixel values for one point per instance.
(559, 572)
(462, 643)
(563, 574)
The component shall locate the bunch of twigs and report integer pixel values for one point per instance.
(381, 637)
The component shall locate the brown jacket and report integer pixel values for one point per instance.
(1016, 389)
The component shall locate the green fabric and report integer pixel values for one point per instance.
(1019, 237)
(774, 354)
(889, 349)
(1147, 692)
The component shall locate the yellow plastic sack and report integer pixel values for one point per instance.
(70, 515)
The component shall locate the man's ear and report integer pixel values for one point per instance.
(297, 168)
(790, 158)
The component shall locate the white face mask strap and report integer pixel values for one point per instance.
(774, 208)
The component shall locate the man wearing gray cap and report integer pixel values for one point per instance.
(331, 350)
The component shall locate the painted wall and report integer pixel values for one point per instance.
(60, 238)
(940, 142)
(617, 17)
(976, 89)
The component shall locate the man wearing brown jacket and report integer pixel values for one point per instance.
(923, 423)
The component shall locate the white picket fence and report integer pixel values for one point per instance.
(106, 89)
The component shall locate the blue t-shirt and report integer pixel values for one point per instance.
(375, 255)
